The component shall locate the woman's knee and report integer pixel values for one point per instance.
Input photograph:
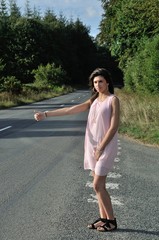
(98, 185)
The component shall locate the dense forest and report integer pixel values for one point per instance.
(130, 31)
(52, 50)
(46, 49)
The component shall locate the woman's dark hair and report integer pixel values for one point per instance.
(104, 73)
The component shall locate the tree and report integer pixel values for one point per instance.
(28, 11)
(29, 36)
(125, 23)
(142, 72)
(3, 9)
(14, 11)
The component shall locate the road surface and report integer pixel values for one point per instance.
(46, 195)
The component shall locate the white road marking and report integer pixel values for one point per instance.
(112, 186)
(113, 175)
(115, 201)
(89, 184)
(117, 160)
(93, 198)
(108, 185)
(116, 167)
(3, 129)
(119, 153)
(62, 105)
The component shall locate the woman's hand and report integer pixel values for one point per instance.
(39, 116)
(97, 154)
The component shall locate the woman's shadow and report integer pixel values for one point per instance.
(127, 230)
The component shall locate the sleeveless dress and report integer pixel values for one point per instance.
(97, 125)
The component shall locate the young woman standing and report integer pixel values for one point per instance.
(100, 140)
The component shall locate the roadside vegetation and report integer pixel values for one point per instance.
(139, 116)
(45, 56)
(30, 95)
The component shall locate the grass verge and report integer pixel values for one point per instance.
(30, 95)
(139, 116)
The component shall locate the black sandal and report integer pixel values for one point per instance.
(110, 225)
(92, 226)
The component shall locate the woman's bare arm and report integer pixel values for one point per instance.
(63, 111)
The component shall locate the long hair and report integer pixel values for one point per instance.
(106, 75)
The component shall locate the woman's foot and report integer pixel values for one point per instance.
(109, 225)
(96, 224)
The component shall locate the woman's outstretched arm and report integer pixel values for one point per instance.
(63, 111)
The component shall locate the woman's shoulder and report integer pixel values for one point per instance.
(93, 98)
(115, 101)
(114, 97)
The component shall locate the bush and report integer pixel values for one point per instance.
(142, 72)
(11, 85)
(48, 76)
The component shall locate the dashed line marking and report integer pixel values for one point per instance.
(113, 175)
(109, 185)
(3, 129)
(114, 200)
(89, 184)
(112, 186)
(117, 160)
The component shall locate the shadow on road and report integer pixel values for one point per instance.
(128, 230)
(53, 128)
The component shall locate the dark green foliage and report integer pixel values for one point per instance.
(27, 48)
(11, 85)
(30, 41)
(124, 28)
(142, 72)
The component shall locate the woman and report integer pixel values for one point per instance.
(100, 140)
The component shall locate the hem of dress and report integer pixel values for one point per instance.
(97, 174)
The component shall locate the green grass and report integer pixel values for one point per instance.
(30, 95)
(139, 116)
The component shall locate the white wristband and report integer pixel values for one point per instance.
(45, 113)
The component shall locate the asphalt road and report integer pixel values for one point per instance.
(46, 195)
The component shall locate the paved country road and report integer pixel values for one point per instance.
(46, 195)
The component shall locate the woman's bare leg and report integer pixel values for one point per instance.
(100, 205)
(104, 201)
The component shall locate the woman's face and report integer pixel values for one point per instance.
(100, 84)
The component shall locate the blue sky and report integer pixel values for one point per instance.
(88, 11)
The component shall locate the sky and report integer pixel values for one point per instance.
(88, 11)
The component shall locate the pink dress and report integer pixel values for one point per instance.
(97, 125)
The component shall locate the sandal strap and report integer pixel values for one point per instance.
(108, 227)
(96, 221)
(113, 222)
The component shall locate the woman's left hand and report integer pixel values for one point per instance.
(98, 153)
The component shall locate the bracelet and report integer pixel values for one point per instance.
(45, 113)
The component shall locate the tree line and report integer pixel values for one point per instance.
(46, 49)
(130, 31)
